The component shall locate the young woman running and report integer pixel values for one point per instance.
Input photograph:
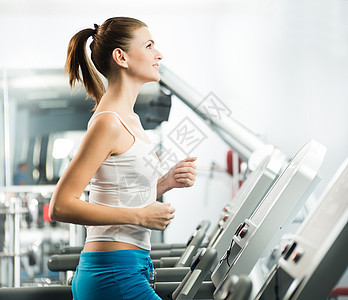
(113, 156)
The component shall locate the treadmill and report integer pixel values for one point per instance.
(316, 257)
(279, 206)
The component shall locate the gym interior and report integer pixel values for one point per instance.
(256, 90)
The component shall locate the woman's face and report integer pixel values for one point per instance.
(143, 57)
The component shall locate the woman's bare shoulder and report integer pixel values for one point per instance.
(107, 123)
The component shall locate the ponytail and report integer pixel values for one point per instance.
(113, 33)
(77, 59)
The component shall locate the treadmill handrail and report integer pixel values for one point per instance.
(236, 135)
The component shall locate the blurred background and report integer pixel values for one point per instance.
(281, 67)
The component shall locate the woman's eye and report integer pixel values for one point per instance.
(148, 46)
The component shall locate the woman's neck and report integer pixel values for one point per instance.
(122, 94)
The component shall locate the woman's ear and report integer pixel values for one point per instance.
(119, 56)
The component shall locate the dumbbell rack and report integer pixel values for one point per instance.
(11, 210)
(10, 258)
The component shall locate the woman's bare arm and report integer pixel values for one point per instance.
(101, 141)
(183, 174)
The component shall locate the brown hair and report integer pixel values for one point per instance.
(113, 33)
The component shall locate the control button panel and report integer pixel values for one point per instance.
(243, 232)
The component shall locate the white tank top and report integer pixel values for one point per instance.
(125, 180)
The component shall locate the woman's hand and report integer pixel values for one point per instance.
(157, 215)
(183, 174)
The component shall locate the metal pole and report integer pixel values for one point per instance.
(8, 180)
(236, 135)
(17, 246)
(11, 242)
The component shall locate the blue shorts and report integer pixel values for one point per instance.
(120, 274)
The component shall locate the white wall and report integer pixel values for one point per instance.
(284, 68)
(2, 148)
(281, 66)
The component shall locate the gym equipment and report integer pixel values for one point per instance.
(199, 270)
(13, 211)
(171, 260)
(277, 208)
(235, 287)
(63, 263)
(316, 257)
(37, 293)
(152, 106)
(246, 200)
(187, 253)
(237, 136)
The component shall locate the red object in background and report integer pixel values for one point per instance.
(230, 162)
(229, 169)
(46, 217)
(339, 291)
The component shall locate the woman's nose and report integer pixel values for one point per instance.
(159, 55)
